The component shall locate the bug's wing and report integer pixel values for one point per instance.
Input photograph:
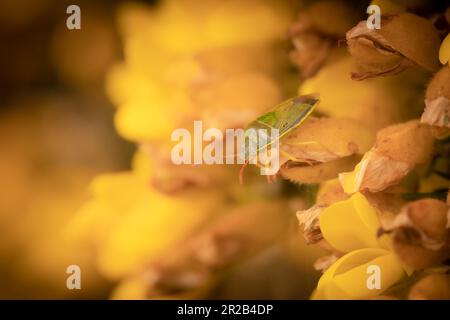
(293, 112)
(284, 117)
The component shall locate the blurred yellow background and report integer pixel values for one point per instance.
(56, 134)
(58, 131)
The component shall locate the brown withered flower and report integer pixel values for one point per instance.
(437, 100)
(420, 233)
(316, 33)
(309, 219)
(397, 151)
(403, 41)
(321, 148)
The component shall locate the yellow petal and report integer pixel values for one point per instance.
(142, 164)
(375, 103)
(351, 181)
(139, 122)
(135, 288)
(152, 224)
(347, 278)
(351, 224)
(131, 223)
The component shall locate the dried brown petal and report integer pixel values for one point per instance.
(420, 233)
(429, 218)
(397, 151)
(374, 173)
(406, 246)
(310, 220)
(323, 263)
(437, 100)
(437, 112)
(409, 142)
(387, 204)
(326, 139)
(317, 173)
(439, 85)
(404, 40)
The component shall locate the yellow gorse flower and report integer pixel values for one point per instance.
(184, 58)
(127, 218)
(350, 226)
(183, 61)
(375, 103)
(224, 62)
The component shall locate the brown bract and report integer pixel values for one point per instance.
(404, 40)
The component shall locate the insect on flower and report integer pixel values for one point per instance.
(273, 125)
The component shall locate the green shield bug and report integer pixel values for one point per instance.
(284, 118)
